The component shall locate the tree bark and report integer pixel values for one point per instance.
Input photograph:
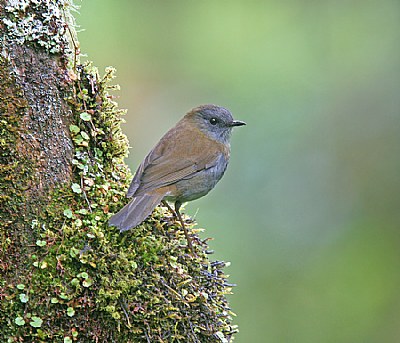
(34, 82)
(36, 144)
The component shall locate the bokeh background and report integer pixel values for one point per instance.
(308, 211)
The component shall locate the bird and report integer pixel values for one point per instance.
(184, 165)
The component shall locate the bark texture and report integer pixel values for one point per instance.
(32, 97)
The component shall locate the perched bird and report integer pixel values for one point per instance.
(185, 165)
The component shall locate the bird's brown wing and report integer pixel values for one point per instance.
(171, 160)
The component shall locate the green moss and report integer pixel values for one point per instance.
(87, 282)
(14, 172)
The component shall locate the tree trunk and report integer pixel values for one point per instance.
(65, 275)
(37, 146)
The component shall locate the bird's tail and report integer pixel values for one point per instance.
(137, 210)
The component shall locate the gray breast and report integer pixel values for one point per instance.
(200, 183)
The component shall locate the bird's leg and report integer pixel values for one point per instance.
(178, 214)
(165, 203)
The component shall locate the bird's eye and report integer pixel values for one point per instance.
(213, 121)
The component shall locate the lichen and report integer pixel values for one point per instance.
(39, 22)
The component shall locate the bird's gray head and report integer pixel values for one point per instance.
(215, 121)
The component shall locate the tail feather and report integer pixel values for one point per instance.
(137, 210)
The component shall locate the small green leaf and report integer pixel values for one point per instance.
(67, 340)
(70, 312)
(76, 188)
(82, 211)
(21, 286)
(85, 136)
(85, 116)
(68, 213)
(87, 283)
(78, 139)
(23, 298)
(41, 334)
(98, 152)
(63, 296)
(54, 300)
(74, 128)
(83, 275)
(36, 322)
(19, 321)
(73, 252)
(75, 282)
(40, 243)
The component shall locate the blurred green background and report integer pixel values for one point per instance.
(308, 211)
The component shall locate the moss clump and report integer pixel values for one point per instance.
(12, 169)
(84, 281)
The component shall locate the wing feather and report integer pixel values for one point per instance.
(171, 161)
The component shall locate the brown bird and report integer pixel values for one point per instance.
(185, 165)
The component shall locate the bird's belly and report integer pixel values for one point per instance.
(198, 185)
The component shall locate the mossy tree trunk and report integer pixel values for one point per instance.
(36, 144)
(64, 274)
